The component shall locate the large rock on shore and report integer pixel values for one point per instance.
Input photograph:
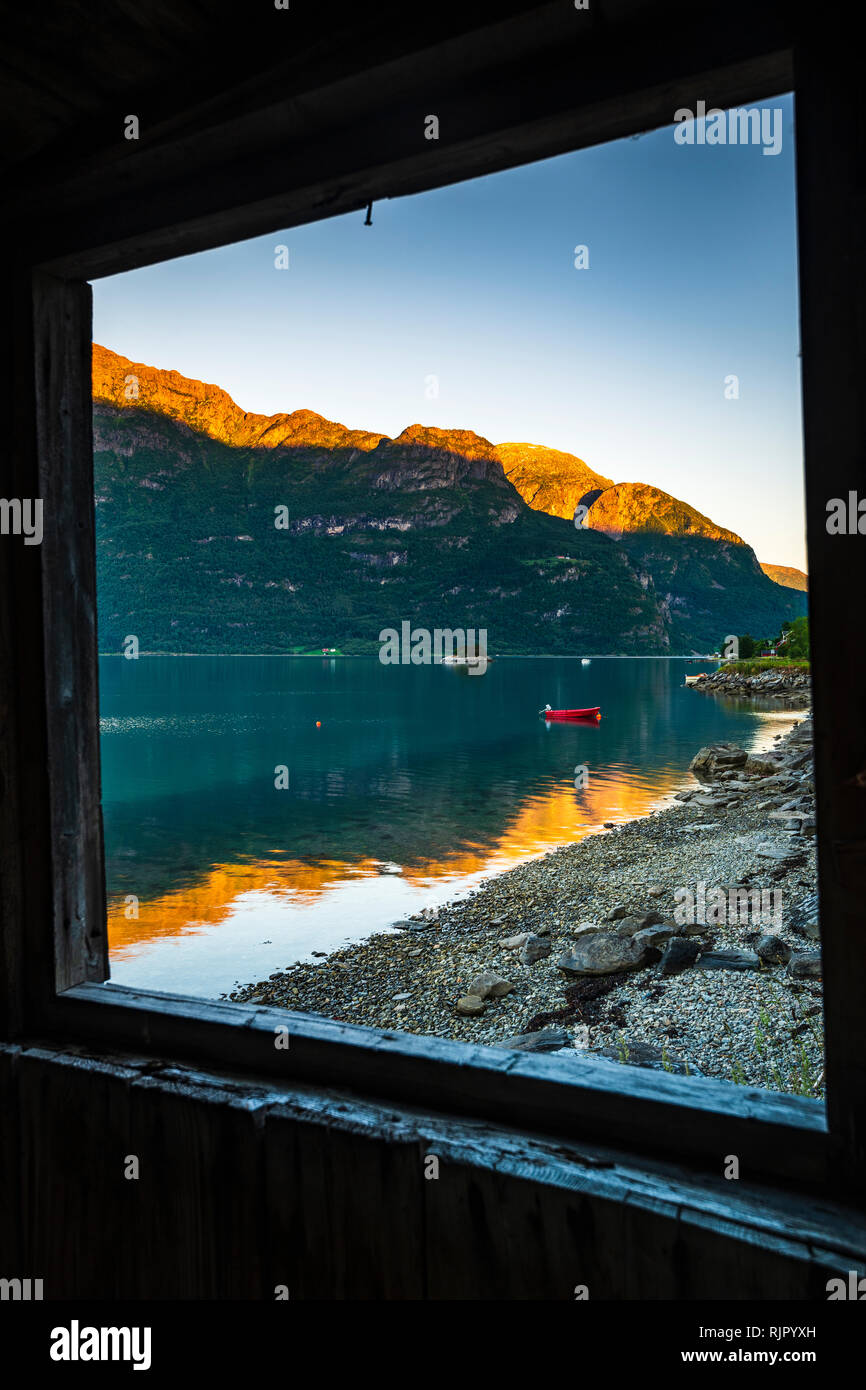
(638, 921)
(604, 954)
(728, 958)
(761, 767)
(804, 917)
(805, 966)
(489, 985)
(679, 953)
(772, 950)
(535, 948)
(656, 937)
(709, 763)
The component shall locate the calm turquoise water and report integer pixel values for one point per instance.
(420, 781)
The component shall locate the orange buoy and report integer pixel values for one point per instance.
(318, 723)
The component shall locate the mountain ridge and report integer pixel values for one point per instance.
(119, 381)
(427, 525)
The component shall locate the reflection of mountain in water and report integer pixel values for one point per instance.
(542, 822)
(414, 767)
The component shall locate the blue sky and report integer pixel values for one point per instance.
(692, 277)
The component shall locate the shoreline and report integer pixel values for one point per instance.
(491, 656)
(579, 951)
(768, 682)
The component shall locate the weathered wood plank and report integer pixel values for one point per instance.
(26, 936)
(344, 1209)
(62, 348)
(690, 1117)
(832, 203)
(70, 1125)
(12, 1247)
(197, 1220)
(14, 482)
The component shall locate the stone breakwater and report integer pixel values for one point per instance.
(776, 682)
(617, 946)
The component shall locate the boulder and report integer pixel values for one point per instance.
(801, 760)
(695, 928)
(588, 929)
(761, 767)
(679, 953)
(514, 943)
(708, 763)
(470, 1005)
(489, 985)
(804, 917)
(772, 950)
(805, 966)
(654, 937)
(630, 926)
(729, 959)
(603, 954)
(535, 948)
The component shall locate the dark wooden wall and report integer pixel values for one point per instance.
(245, 1187)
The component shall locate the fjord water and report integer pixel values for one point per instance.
(405, 786)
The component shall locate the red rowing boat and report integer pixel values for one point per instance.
(573, 714)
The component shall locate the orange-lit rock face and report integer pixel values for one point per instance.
(786, 576)
(547, 479)
(466, 443)
(630, 507)
(210, 409)
(422, 456)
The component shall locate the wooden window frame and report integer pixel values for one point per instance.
(56, 948)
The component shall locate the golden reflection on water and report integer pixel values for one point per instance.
(558, 816)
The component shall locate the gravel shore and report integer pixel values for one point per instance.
(590, 948)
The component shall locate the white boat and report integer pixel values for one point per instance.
(585, 661)
(467, 660)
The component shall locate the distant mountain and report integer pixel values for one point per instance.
(428, 527)
(787, 577)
